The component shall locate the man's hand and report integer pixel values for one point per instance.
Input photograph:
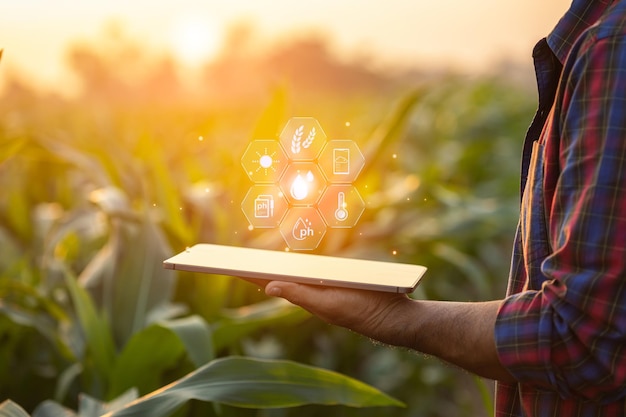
(459, 333)
(378, 315)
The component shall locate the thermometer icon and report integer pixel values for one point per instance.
(341, 213)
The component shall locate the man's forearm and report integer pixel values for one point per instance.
(458, 333)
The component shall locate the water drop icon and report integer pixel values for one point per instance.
(299, 188)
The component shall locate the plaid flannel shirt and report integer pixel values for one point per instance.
(561, 331)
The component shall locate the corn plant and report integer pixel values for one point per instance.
(97, 191)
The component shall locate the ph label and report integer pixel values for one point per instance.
(302, 229)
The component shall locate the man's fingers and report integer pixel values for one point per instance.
(320, 301)
(290, 291)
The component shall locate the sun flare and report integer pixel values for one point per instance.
(195, 39)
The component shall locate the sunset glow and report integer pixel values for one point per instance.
(195, 40)
(452, 34)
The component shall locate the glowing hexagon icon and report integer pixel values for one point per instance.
(264, 161)
(302, 183)
(303, 228)
(264, 206)
(341, 161)
(303, 138)
(341, 206)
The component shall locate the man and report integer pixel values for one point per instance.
(556, 343)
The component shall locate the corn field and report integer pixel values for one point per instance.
(98, 189)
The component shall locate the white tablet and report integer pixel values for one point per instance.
(298, 267)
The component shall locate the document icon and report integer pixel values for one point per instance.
(341, 161)
(264, 206)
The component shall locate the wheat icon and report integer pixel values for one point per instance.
(310, 138)
(297, 138)
(296, 142)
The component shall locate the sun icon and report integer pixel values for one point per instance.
(266, 161)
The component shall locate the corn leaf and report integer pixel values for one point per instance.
(141, 284)
(168, 199)
(157, 348)
(270, 122)
(390, 131)
(11, 149)
(9, 409)
(92, 407)
(46, 327)
(253, 383)
(195, 335)
(241, 322)
(95, 328)
(52, 409)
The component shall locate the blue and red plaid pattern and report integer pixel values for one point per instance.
(561, 331)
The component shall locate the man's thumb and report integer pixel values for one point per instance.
(281, 289)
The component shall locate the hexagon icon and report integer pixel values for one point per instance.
(341, 161)
(303, 228)
(302, 138)
(264, 161)
(341, 206)
(264, 206)
(302, 183)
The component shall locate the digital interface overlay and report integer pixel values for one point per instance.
(303, 183)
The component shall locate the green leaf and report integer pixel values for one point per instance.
(52, 409)
(112, 201)
(389, 131)
(13, 148)
(253, 383)
(470, 267)
(168, 198)
(88, 165)
(158, 348)
(125, 274)
(272, 118)
(195, 335)
(243, 321)
(42, 323)
(95, 328)
(92, 407)
(17, 204)
(10, 409)
(140, 284)
(143, 360)
(485, 395)
(65, 380)
(122, 400)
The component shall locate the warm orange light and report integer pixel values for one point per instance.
(195, 39)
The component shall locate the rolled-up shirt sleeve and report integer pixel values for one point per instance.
(566, 330)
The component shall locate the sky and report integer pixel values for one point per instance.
(459, 34)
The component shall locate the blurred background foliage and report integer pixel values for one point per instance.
(99, 188)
